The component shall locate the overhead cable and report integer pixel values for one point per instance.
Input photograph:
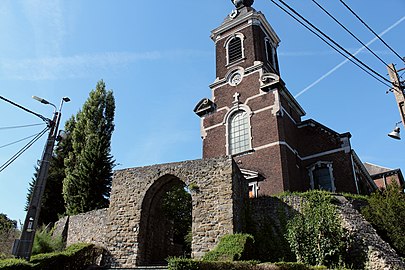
(334, 42)
(23, 126)
(369, 28)
(20, 140)
(22, 150)
(347, 30)
(383, 80)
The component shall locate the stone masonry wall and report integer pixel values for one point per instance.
(376, 253)
(90, 227)
(218, 208)
(134, 192)
(369, 251)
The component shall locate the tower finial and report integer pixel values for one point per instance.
(242, 3)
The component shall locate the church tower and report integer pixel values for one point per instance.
(251, 116)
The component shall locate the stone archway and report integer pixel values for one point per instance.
(156, 232)
(218, 197)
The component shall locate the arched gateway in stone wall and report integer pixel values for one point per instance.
(135, 225)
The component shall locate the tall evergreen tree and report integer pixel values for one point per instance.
(52, 203)
(87, 184)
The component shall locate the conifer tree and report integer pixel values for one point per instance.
(87, 184)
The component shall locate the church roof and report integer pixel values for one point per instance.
(375, 169)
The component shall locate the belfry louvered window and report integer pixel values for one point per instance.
(235, 50)
(269, 53)
(239, 136)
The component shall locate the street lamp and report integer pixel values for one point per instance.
(23, 247)
(395, 133)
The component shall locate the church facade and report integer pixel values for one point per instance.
(253, 118)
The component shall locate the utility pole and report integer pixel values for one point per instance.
(23, 247)
(398, 90)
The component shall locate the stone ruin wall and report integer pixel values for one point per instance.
(217, 210)
(90, 227)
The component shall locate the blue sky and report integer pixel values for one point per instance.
(159, 60)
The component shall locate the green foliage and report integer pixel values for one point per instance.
(75, 257)
(89, 165)
(182, 264)
(8, 232)
(15, 264)
(386, 212)
(316, 236)
(269, 232)
(44, 242)
(297, 266)
(6, 223)
(188, 264)
(177, 207)
(193, 187)
(232, 247)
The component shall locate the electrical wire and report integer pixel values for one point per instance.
(351, 33)
(26, 138)
(369, 28)
(22, 150)
(334, 42)
(23, 126)
(328, 43)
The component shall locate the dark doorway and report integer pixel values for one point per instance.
(165, 227)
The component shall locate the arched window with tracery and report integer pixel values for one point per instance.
(239, 132)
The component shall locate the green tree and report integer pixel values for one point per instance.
(52, 203)
(87, 184)
(8, 232)
(177, 207)
(316, 237)
(386, 212)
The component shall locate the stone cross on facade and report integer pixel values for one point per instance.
(236, 97)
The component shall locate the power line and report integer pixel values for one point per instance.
(351, 33)
(23, 126)
(26, 138)
(22, 150)
(345, 61)
(334, 42)
(328, 43)
(369, 28)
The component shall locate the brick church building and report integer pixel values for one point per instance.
(253, 118)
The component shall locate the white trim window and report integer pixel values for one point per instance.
(321, 176)
(234, 48)
(239, 132)
(253, 190)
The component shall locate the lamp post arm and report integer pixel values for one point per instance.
(46, 120)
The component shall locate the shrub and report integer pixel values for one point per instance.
(182, 264)
(75, 257)
(386, 212)
(15, 264)
(269, 229)
(189, 264)
(316, 236)
(232, 247)
(44, 242)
